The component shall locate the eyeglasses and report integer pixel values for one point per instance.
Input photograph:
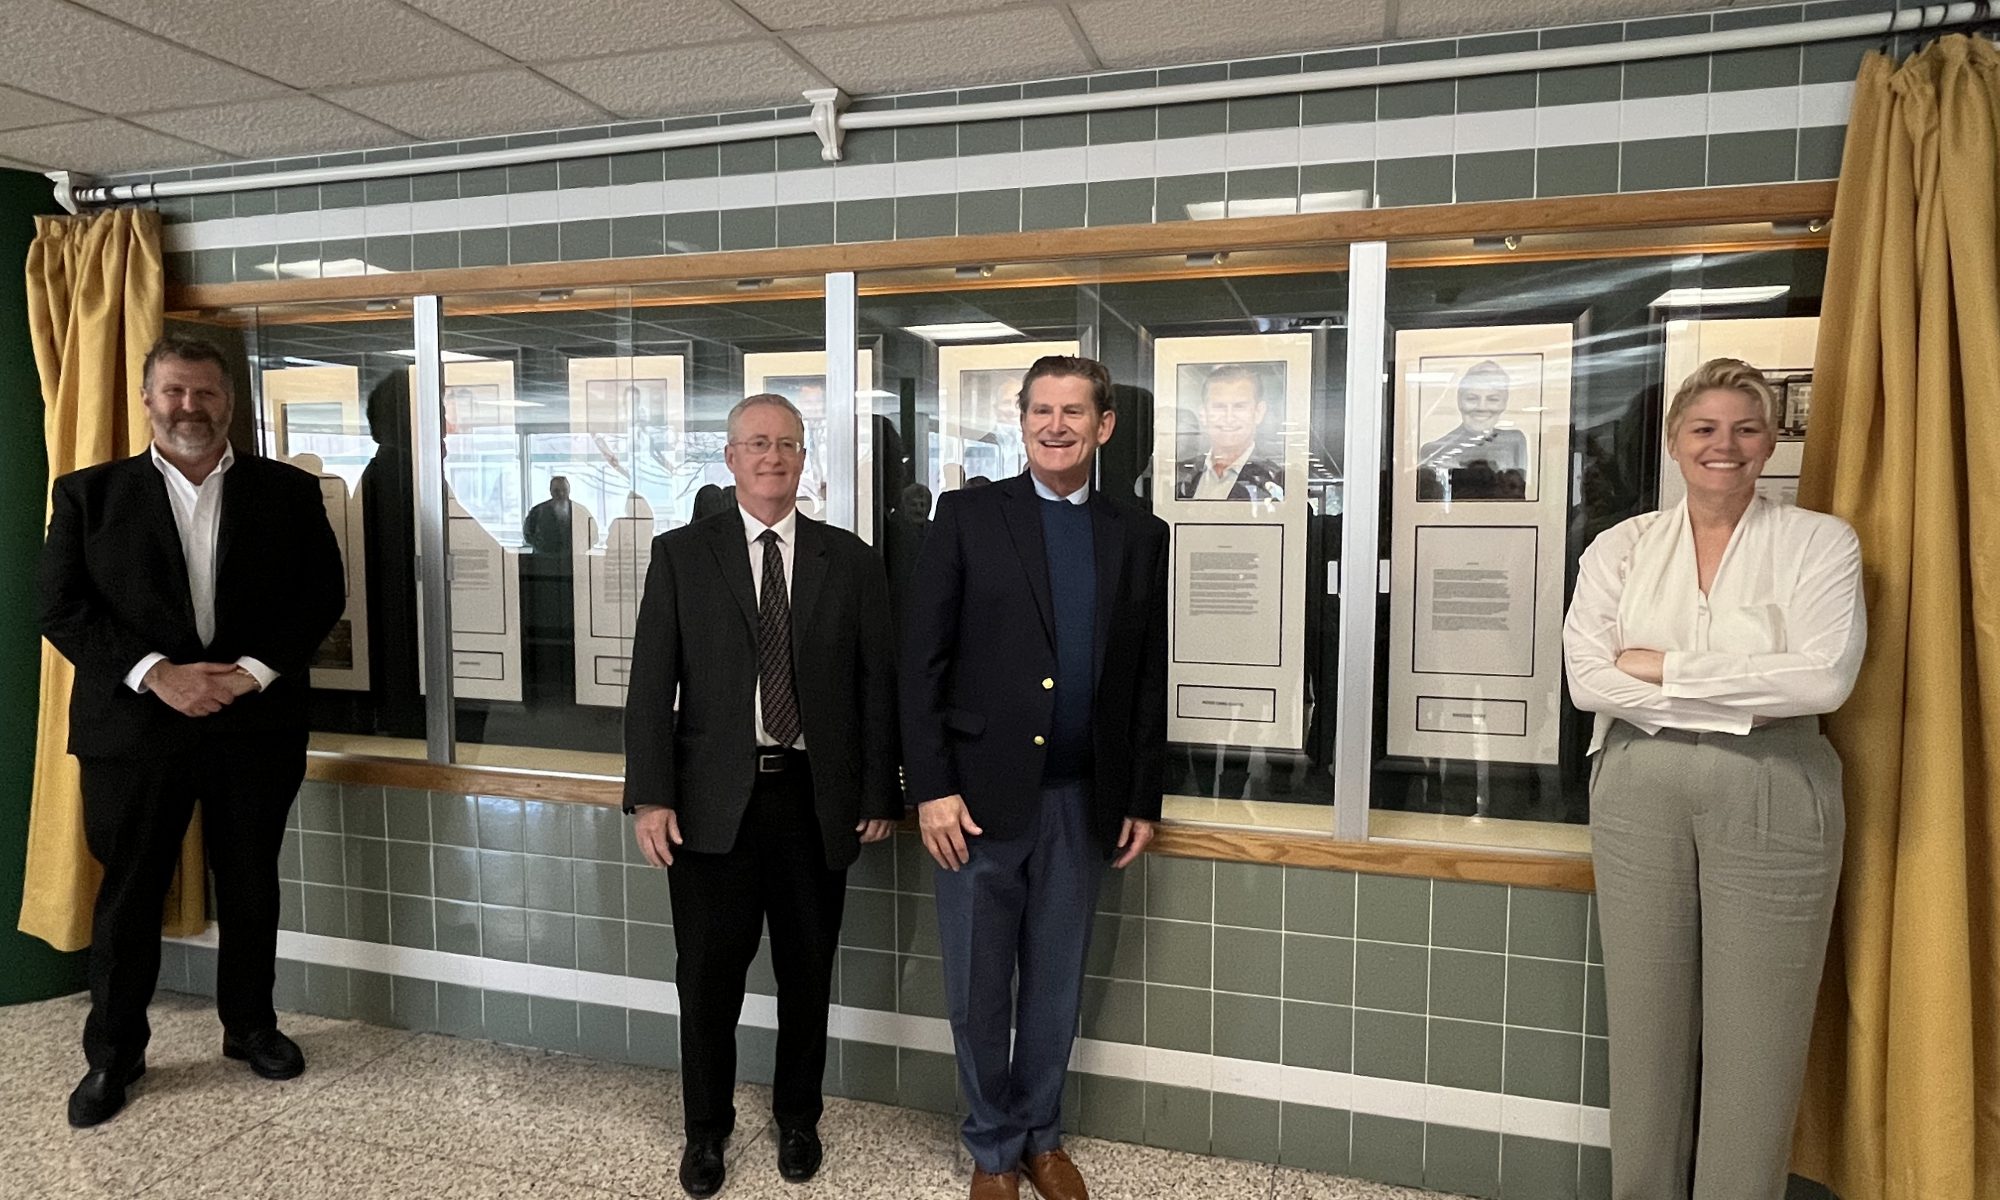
(789, 447)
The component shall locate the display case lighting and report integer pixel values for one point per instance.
(1716, 297)
(1489, 245)
(963, 331)
(443, 356)
(975, 271)
(1213, 258)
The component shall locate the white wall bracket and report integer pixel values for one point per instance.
(827, 104)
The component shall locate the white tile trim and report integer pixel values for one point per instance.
(1240, 1077)
(864, 181)
(1662, 117)
(1581, 124)
(1414, 137)
(1753, 110)
(1823, 104)
(533, 208)
(1118, 160)
(342, 223)
(811, 186)
(1483, 132)
(1249, 149)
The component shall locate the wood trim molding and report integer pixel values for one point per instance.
(1699, 206)
(1562, 872)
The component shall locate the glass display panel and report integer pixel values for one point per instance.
(1228, 388)
(578, 425)
(1524, 417)
(331, 389)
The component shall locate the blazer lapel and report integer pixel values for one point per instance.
(237, 499)
(808, 572)
(1107, 535)
(1024, 524)
(732, 558)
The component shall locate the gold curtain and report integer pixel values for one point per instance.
(1903, 1089)
(96, 303)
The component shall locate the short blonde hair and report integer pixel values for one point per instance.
(1724, 375)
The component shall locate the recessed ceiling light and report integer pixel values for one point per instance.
(963, 331)
(1707, 297)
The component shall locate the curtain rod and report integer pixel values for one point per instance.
(829, 120)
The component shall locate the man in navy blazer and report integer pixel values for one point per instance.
(1034, 711)
(190, 588)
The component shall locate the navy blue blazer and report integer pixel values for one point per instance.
(979, 658)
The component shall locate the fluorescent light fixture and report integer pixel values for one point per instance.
(443, 355)
(1706, 297)
(963, 331)
(1277, 206)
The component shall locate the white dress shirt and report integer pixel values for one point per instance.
(1079, 496)
(1779, 634)
(786, 529)
(1212, 486)
(198, 518)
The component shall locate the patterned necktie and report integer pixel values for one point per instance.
(774, 648)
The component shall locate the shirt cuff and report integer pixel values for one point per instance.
(136, 677)
(258, 671)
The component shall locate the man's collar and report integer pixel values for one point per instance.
(1046, 492)
(221, 465)
(753, 528)
(1209, 465)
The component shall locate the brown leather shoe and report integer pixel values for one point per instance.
(1004, 1186)
(1055, 1176)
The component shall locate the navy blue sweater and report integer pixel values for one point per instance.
(1073, 592)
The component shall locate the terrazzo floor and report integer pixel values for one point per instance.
(384, 1113)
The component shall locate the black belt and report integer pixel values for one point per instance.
(776, 760)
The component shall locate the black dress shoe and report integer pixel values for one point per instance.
(798, 1153)
(269, 1053)
(701, 1167)
(101, 1094)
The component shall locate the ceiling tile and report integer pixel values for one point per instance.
(66, 53)
(1447, 18)
(1131, 33)
(996, 47)
(528, 33)
(273, 128)
(806, 14)
(99, 147)
(310, 43)
(514, 101)
(706, 79)
(19, 109)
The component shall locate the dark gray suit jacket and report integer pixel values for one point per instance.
(697, 638)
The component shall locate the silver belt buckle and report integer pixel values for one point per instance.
(770, 762)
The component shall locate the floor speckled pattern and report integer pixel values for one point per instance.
(387, 1114)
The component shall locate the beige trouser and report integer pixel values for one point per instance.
(1717, 860)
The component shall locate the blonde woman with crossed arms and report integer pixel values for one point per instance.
(1708, 638)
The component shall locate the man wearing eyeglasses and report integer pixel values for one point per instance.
(756, 791)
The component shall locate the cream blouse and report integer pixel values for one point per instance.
(1779, 634)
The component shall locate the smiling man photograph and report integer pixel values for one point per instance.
(1231, 411)
(1034, 696)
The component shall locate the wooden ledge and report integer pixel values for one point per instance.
(1469, 864)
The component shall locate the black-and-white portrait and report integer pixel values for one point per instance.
(1229, 417)
(1480, 422)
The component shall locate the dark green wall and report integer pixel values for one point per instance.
(29, 970)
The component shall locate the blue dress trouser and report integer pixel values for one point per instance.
(1019, 906)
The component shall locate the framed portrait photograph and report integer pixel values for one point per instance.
(800, 376)
(1479, 426)
(1228, 423)
(622, 405)
(1798, 407)
(979, 410)
(1478, 516)
(1230, 419)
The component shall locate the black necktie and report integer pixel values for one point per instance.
(774, 648)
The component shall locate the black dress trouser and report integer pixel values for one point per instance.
(135, 816)
(777, 871)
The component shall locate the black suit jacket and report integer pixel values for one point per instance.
(979, 642)
(697, 637)
(1259, 479)
(114, 588)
